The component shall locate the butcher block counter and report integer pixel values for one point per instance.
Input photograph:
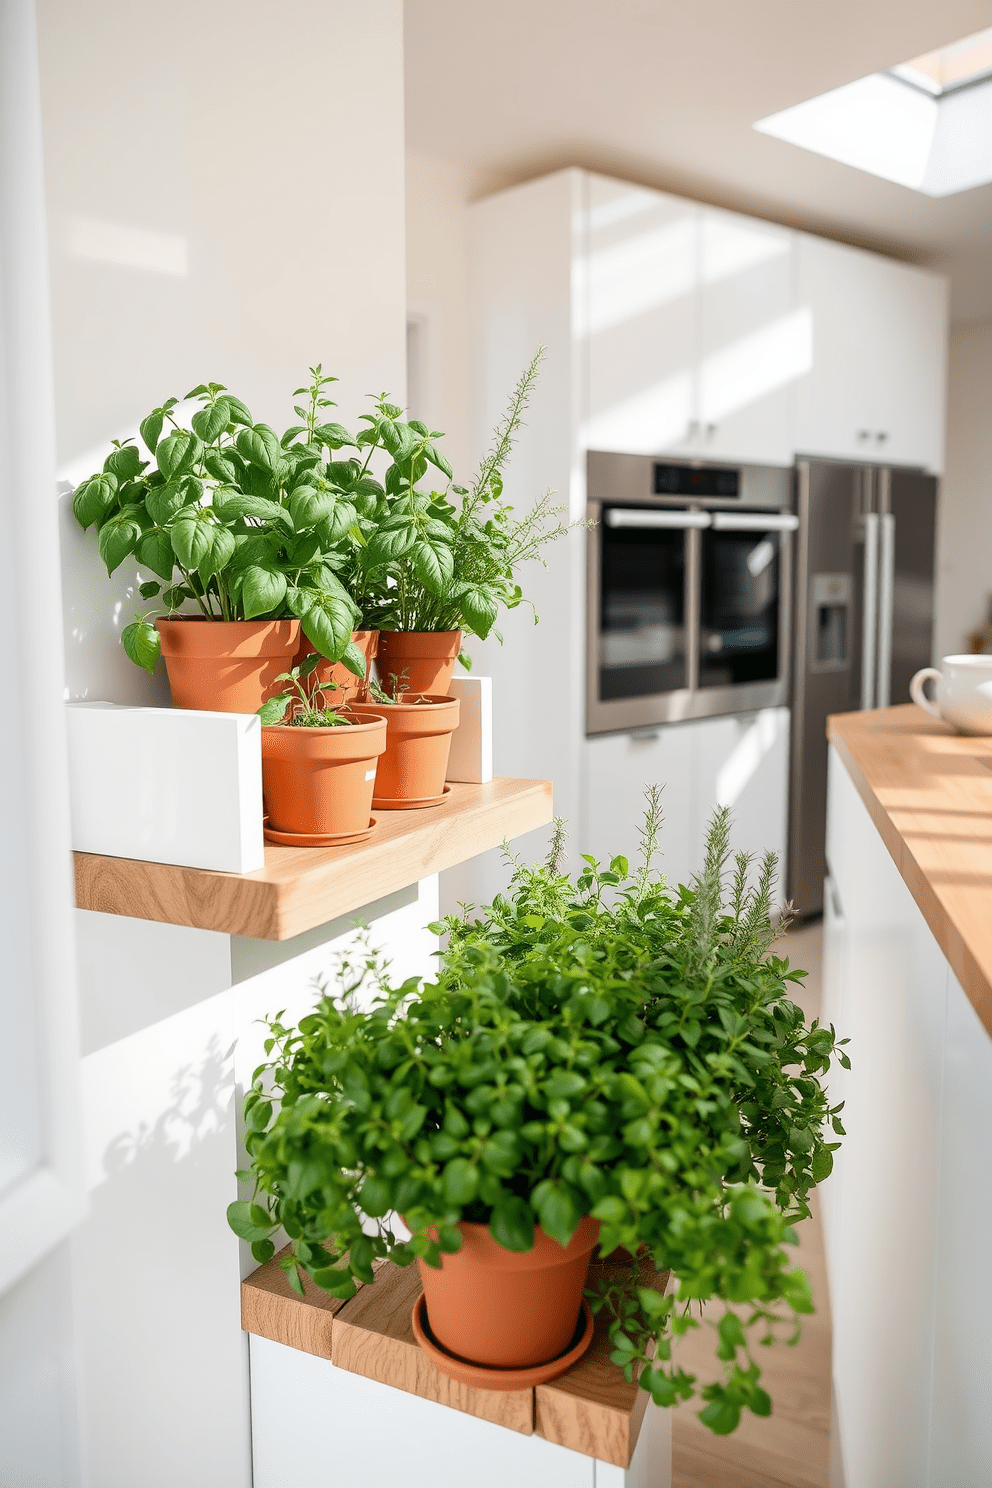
(929, 792)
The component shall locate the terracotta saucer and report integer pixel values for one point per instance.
(487, 1377)
(306, 839)
(382, 803)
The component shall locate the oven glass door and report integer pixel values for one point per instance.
(739, 606)
(642, 635)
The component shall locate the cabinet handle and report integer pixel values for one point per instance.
(886, 589)
(711, 430)
(692, 429)
(881, 437)
(868, 634)
(863, 434)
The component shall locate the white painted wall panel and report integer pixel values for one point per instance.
(327, 1428)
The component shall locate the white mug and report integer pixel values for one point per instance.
(963, 693)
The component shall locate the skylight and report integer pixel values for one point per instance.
(925, 124)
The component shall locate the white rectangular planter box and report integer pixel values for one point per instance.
(167, 785)
(471, 758)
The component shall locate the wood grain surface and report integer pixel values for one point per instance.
(592, 1408)
(929, 793)
(271, 1309)
(302, 887)
(373, 1336)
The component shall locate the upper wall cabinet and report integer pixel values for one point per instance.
(750, 345)
(875, 388)
(636, 318)
(685, 313)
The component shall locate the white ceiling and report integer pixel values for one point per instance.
(665, 92)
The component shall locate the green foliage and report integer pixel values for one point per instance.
(589, 1046)
(247, 525)
(442, 560)
(236, 520)
(304, 695)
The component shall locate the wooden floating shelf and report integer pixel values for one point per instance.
(591, 1409)
(303, 887)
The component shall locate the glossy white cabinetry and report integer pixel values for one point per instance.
(875, 386)
(750, 346)
(741, 762)
(908, 1209)
(685, 320)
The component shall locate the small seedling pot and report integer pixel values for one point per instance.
(423, 660)
(347, 687)
(225, 666)
(418, 742)
(318, 782)
(508, 1309)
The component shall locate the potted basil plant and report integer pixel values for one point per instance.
(599, 1061)
(242, 524)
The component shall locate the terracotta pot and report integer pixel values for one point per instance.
(499, 1307)
(226, 666)
(319, 781)
(349, 687)
(418, 742)
(427, 657)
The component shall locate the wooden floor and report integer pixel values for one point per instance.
(791, 1448)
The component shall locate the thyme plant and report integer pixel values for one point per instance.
(590, 1046)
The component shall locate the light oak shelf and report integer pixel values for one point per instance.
(590, 1409)
(303, 887)
(929, 792)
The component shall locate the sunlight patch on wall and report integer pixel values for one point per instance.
(128, 247)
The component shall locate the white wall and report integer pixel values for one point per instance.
(225, 187)
(437, 195)
(225, 200)
(964, 582)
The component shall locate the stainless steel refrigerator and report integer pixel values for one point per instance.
(863, 625)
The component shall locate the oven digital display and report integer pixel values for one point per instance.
(689, 480)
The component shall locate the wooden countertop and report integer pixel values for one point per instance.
(929, 793)
(591, 1408)
(302, 887)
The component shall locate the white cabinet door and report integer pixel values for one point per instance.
(618, 767)
(909, 368)
(752, 344)
(743, 762)
(636, 316)
(875, 389)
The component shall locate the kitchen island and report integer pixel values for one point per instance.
(908, 1209)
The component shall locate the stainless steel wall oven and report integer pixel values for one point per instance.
(689, 590)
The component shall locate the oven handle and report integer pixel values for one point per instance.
(619, 516)
(755, 522)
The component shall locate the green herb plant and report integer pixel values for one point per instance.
(446, 560)
(597, 1046)
(230, 516)
(304, 694)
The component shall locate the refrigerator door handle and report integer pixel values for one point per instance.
(868, 635)
(886, 593)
